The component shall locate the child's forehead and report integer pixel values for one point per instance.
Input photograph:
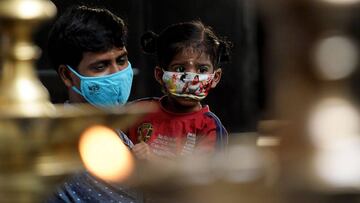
(191, 54)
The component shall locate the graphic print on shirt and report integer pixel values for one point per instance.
(164, 145)
(170, 146)
(190, 143)
(144, 132)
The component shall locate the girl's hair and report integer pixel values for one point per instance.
(178, 37)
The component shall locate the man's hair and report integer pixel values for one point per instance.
(82, 29)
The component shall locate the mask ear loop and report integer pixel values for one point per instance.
(74, 71)
(75, 89)
(163, 86)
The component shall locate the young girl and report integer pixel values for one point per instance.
(189, 57)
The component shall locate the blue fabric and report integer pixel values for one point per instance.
(86, 188)
(222, 136)
(108, 90)
(126, 140)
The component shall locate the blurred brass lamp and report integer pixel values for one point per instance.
(241, 173)
(38, 140)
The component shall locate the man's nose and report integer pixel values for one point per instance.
(114, 68)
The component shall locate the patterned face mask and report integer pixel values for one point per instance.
(187, 84)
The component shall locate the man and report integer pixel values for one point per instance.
(87, 49)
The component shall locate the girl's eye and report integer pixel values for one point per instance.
(203, 69)
(179, 69)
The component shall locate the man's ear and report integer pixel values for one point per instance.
(217, 77)
(65, 76)
(158, 73)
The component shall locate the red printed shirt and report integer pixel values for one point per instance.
(171, 134)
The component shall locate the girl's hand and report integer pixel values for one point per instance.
(143, 151)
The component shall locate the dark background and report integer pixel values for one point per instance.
(239, 98)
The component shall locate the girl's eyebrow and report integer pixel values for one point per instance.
(175, 64)
(187, 62)
(207, 64)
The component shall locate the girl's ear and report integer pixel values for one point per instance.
(158, 73)
(217, 77)
(65, 76)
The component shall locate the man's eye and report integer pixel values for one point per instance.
(121, 61)
(203, 69)
(99, 67)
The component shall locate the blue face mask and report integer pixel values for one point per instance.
(108, 90)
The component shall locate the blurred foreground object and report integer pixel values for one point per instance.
(312, 54)
(105, 155)
(38, 140)
(242, 173)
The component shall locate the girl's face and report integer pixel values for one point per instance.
(188, 60)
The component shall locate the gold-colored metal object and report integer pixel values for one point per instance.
(38, 140)
(21, 91)
(295, 29)
(38, 152)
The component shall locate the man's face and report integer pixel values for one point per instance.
(95, 64)
(103, 63)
